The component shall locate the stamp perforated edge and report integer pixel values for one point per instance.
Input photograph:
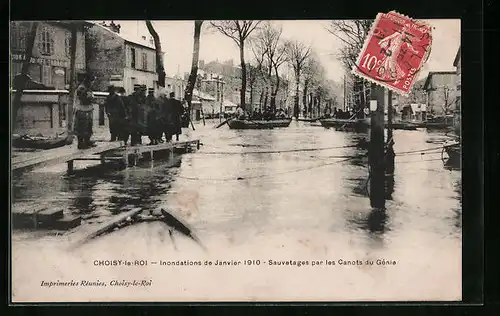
(365, 44)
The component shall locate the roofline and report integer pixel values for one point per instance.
(138, 44)
(431, 73)
(457, 56)
(121, 36)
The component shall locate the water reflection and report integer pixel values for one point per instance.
(260, 194)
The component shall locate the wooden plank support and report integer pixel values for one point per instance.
(105, 227)
(71, 166)
(197, 144)
(57, 156)
(103, 159)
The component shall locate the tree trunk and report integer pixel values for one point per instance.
(188, 93)
(243, 74)
(159, 54)
(304, 97)
(276, 89)
(261, 99)
(266, 96)
(23, 79)
(72, 81)
(296, 98)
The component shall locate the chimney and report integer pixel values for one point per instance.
(201, 64)
(143, 37)
(114, 27)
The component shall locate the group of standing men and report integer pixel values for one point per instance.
(130, 117)
(139, 114)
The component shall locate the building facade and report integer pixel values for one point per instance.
(50, 61)
(457, 63)
(439, 87)
(119, 59)
(457, 114)
(45, 110)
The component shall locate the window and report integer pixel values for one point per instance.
(144, 61)
(132, 57)
(18, 34)
(67, 44)
(46, 42)
(47, 75)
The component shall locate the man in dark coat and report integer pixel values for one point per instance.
(134, 102)
(115, 111)
(84, 106)
(177, 111)
(154, 128)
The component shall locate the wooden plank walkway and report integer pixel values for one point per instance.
(24, 161)
(28, 160)
(107, 226)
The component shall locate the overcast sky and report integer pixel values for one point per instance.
(177, 41)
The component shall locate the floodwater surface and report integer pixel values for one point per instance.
(251, 196)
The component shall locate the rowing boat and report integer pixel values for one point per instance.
(261, 124)
(333, 122)
(37, 142)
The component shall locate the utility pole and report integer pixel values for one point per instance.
(389, 167)
(376, 150)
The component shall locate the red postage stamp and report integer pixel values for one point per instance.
(394, 51)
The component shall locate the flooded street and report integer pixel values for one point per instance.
(252, 195)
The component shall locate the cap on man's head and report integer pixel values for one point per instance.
(111, 88)
(143, 87)
(172, 94)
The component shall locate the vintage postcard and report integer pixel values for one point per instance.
(238, 160)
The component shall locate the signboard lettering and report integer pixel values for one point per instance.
(46, 62)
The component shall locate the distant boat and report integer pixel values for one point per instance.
(439, 122)
(453, 150)
(260, 124)
(357, 125)
(408, 126)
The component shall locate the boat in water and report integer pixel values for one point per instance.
(407, 126)
(453, 150)
(260, 124)
(439, 122)
(41, 142)
(334, 122)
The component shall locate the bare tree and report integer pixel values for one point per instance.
(270, 53)
(188, 93)
(23, 78)
(352, 33)
(297, 54)
(160, 69)
(238, 31)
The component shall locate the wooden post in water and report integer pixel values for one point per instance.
(376, 152)
(389, 167)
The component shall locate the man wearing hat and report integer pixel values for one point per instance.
(176, 110)
(84, 111)
(135, 124)
(153, 118)
(115, 110)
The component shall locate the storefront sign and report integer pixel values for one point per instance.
(46, 61)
